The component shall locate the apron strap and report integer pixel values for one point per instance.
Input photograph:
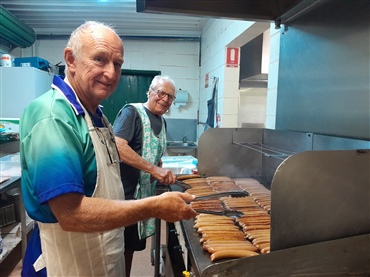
(39, 263)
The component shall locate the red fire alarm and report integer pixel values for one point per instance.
(206, 80)
(232, 57)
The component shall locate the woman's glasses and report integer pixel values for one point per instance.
(162, 94)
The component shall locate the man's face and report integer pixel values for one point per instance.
(98, 69)
(158, 102)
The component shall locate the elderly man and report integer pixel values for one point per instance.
(140, 132)
(70, 172)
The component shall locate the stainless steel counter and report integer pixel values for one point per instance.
(9, 168)
(15, 233)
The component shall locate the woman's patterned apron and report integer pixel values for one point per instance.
(152, 151)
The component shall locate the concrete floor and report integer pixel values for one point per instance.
(17, 270)
(142, 262)
(141, 265)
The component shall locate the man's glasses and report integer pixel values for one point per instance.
(162, 94)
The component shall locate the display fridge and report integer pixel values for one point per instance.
(19, 86)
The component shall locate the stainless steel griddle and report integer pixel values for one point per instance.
(320, 202)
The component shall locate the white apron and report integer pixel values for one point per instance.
(90, 254)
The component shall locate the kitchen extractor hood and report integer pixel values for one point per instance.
(14, 32)
(278, 11)
(254, 62)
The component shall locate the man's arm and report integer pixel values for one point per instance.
(130, 157)
(78, 213)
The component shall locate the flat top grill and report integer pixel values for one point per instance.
(319, 205)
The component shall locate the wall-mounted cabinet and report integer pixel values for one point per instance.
(267, 10)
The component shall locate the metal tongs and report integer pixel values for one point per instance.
(229, 213)
(182, 185)
(232, 193)
(225, 212)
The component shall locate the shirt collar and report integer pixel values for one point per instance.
(64, 87)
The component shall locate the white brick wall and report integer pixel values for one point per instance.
(216, 37)
(177, 59)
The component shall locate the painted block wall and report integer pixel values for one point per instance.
(217, 35)
(187, 62)
(252, 110)
(177, 59)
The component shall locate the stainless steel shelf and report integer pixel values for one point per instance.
(12, 236)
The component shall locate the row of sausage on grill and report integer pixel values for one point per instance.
(226, 237)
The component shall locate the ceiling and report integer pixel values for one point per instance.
(56, 18)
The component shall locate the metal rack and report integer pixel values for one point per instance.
(257, 152)
(17, 232)
(266, 150)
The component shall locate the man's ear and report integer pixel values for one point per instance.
(69, 59)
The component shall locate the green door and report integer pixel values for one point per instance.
(132, 88)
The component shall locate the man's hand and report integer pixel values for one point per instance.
(172, 206)
(164, 175)
(130, 157)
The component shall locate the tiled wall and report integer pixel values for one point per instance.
(177, 129)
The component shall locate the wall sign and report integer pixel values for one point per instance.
(206, 80)
(232, 57)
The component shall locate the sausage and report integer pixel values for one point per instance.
(226, 242)
(255, 236)
(201, 218)
(263, 245)
(213, 249)
(211, 216)
(221, 223)
(187, 176)
(224, 233)
(261, 240)
(219, 227)
(255, 222)
(256, 227)
(213, 220)
(259, 234)
(218, 178)
(257, 217)
(219, 238)
(222, 237)
(227, 254)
